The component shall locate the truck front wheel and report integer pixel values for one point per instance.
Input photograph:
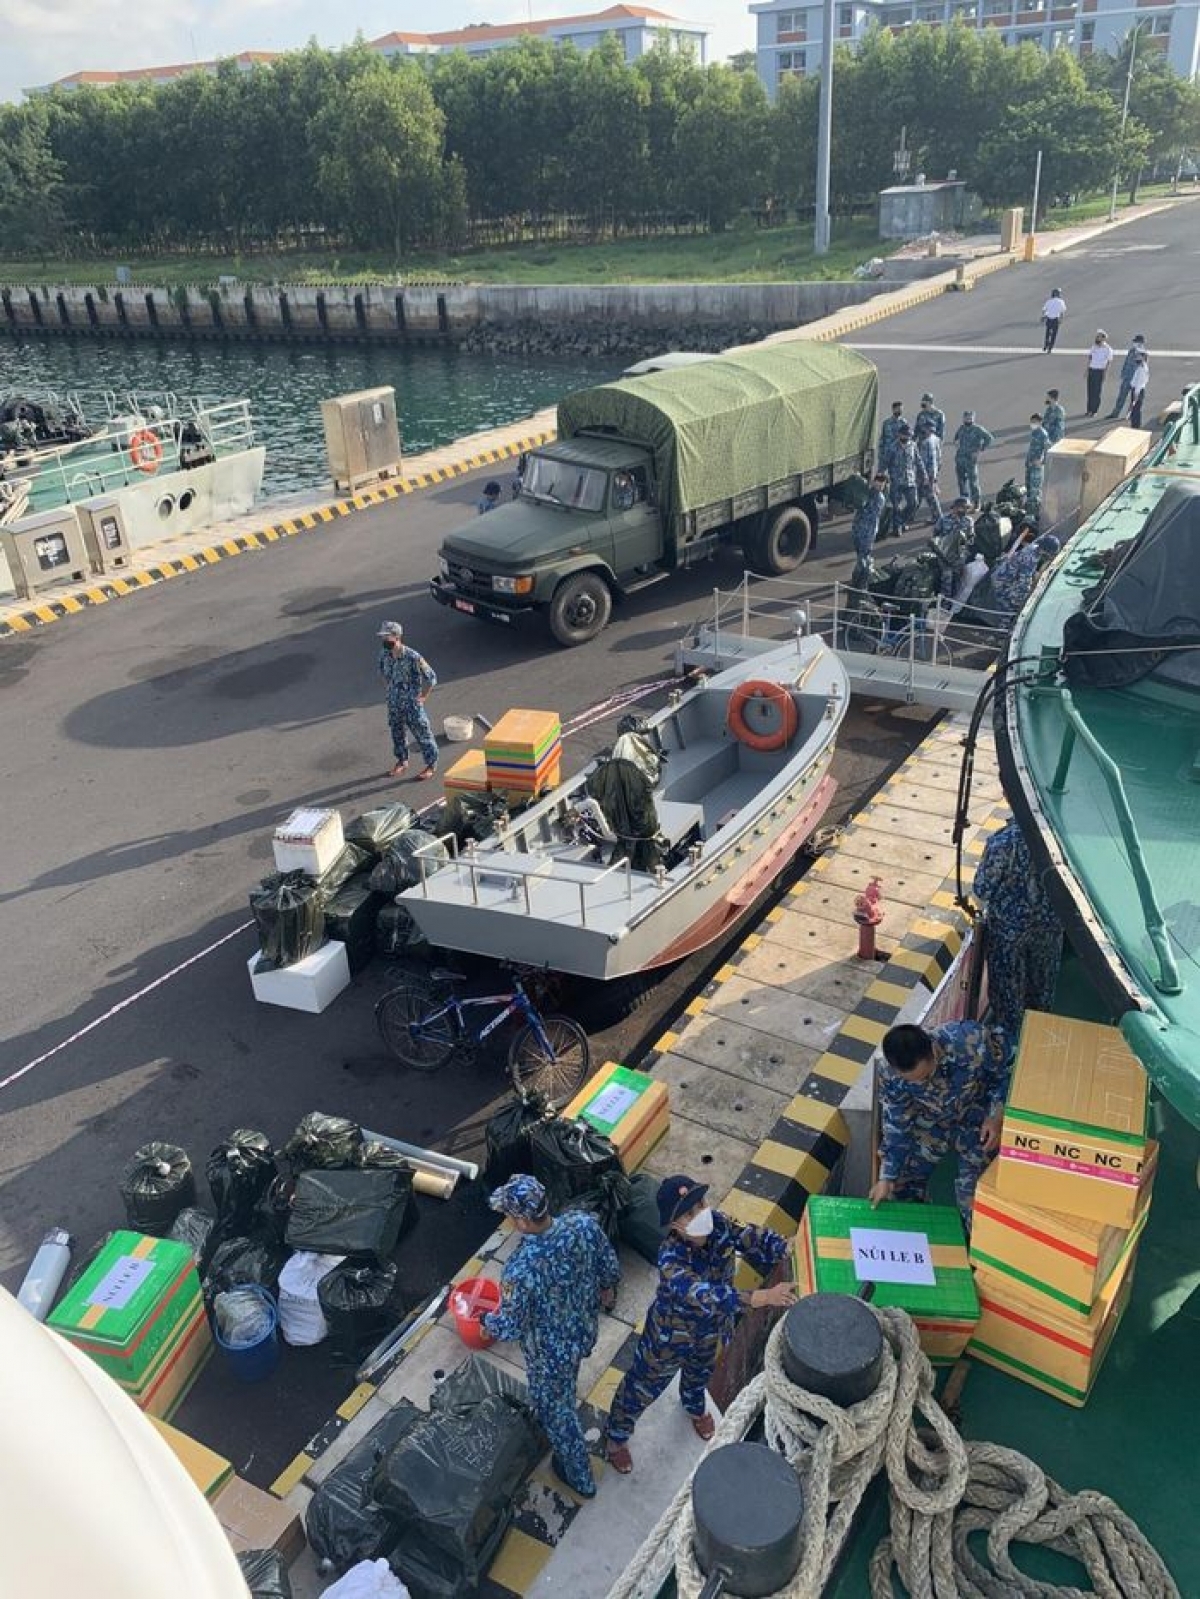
(782, 542)
(580, 609)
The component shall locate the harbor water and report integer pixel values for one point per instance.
(441, 394)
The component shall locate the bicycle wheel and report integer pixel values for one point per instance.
(551, 1054)
(414, 1026)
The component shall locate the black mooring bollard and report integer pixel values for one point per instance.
(832, 1346)
(748, 1508)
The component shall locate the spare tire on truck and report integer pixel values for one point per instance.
(580, 608)
(781, 541)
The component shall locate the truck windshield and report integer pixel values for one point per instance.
(582, 488)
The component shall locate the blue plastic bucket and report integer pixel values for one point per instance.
(253, 1362)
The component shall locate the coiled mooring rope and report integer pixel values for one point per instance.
(941, 1490)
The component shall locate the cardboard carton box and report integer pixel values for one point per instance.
(1046, 1345)
(207, 1469)
(1075, 1131)
(916, 1255)
(1066, 1259)
(628, 1107)
(254, 1519)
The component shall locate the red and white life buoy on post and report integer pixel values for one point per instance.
(145, 450)
(762, 715)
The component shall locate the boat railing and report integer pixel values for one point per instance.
(105, 463)
(519, 875)
(228, 426)
(1167, 981)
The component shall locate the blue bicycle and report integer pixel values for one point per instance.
(425, 1025)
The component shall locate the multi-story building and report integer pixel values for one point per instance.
(638, 28)
(791, 41)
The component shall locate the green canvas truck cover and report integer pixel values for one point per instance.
(737, 422)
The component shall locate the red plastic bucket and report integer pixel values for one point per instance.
(471, 1300)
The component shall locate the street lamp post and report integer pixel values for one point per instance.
(824, 134)
(1135, 35)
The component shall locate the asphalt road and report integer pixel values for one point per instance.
(150, 746)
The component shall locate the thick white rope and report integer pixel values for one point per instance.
(942, 1490)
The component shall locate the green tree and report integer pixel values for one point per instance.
(724, 147)
(32, 216)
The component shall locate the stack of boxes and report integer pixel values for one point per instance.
(523, 753)
(468, 775)
(1059, 1213)
(138, 1313)
(915, 1255)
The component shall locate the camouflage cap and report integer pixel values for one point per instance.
(521, 1197)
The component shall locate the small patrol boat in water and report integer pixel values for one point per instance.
(1098, 732)
(650, 853)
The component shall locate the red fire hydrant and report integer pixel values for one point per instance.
(868, 913)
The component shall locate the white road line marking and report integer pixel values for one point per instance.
(1008, 349)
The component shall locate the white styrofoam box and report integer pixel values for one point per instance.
(309, 841)
(311, 984)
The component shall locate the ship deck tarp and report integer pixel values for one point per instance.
(1149, 604)
(735, 423)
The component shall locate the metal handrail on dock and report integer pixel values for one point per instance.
(1167, 981)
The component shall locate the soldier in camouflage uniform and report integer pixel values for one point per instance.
(1024, 934)
(930, 416)
(409, 678)
(1054, 417)
(929, 466)
(553, 1285)
(890, 431)
(865, 528)
(969, 441)
(1014, 574)
(1035, 464)
(694, 1310)
(902, 469)
(940, 1091)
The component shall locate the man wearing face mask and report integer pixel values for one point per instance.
(695, 1308)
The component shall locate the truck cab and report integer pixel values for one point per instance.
(585, 526)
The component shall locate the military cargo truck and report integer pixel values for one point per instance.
(654, 473)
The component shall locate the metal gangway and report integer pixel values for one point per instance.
(922, 659)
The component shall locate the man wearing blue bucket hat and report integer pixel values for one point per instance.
(553, 1286)
(695, 1308)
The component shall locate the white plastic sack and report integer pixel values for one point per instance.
(301, 1319)
(370, 1579)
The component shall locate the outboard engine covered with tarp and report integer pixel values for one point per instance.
(623, 785)
(1143, 616)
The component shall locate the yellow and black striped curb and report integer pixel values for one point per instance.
(114, 588)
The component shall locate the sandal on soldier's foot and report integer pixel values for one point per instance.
(399, 769)
(704, 1425)
(619, 1458)
(423, 777)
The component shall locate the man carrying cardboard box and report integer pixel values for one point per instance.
(940, 1091)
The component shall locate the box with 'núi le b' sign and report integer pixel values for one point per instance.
(629, 1108)
(1066, 1259)
(1075, 1132)
(1047, 1345)
(916, 1256)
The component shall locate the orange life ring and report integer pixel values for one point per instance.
(145, 450)
(774, 694)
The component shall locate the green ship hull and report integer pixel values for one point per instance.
(1099, 744)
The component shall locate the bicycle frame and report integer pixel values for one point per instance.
(515, 1003)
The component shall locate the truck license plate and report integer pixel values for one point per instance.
(464, 605)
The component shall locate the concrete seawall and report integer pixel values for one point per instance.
(370, 313)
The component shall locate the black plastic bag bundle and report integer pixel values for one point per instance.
(290, 916)
(507, 1136)
(353, 858)
(640, 1227)
(371, 1155)
(451, 1484)
(360, 1305)
(322, 1142)
(349, 1212)
(156, 1185)
(266, 1574)
(343, 1522)
(606, 1201)
(474, 815)
(399, 867)
(375, 830)
(239, 1172)
(397, 936)
(241, 1261)
(194, 1227)
(568, 1158)
(474, 1380)
(350, 919)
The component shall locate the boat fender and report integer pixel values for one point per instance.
(145, 450)
(756, 697)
